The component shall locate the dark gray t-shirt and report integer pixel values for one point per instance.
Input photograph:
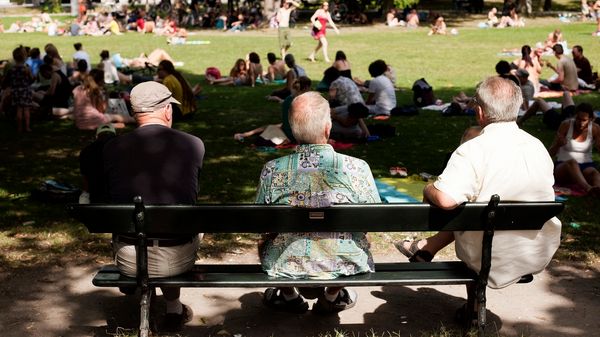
(159, 163)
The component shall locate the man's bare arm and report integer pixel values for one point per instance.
(438, 198)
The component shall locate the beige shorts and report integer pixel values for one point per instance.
(162, 261)
(285, 37)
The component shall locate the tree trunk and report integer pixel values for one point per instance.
(269, 7)
(386, 5)
(547, 5)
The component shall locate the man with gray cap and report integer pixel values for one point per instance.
(162, 166)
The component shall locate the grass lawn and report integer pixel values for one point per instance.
(33, 233)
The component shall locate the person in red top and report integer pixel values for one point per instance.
(82, 11)
(320, 20)
(140, 23)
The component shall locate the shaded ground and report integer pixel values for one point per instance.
(61, 301)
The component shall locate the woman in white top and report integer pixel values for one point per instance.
(111, 74)
(573, 149)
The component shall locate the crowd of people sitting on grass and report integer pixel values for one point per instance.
(572, 72)
(106, 21)
(175, 22)
(411, 18)
(91, 95)
(508, 18)
(408, 18)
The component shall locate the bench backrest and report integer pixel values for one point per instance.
(250, 218)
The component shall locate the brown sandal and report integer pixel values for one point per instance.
(414, 247)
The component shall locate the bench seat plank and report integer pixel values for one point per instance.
(252, 276)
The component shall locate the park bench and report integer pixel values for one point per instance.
(138, 219)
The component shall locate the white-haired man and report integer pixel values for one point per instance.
(503, 160)
(162, 165)
(314, 176)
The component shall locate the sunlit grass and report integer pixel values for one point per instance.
(26, 245)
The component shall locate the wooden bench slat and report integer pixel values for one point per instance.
(181, 219)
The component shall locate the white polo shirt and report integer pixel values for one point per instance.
(385, 96)
(507, 161)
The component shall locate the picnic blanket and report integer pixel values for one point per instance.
(400, 190)
(568, 190)
(405, 190)
(436, 107)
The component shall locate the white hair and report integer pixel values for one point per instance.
(309, 118)
(499, 98)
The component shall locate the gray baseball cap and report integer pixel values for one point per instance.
(150, 96)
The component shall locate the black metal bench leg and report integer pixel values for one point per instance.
(145, 312)
(468, 309)
(481, 311)
(142, 266)
(486, 263)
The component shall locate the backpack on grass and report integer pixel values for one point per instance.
(54, 191)
(422, 93)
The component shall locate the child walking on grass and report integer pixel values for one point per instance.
(20, 79)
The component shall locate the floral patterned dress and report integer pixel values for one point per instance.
(20, 84)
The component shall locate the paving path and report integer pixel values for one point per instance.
(61, 301)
